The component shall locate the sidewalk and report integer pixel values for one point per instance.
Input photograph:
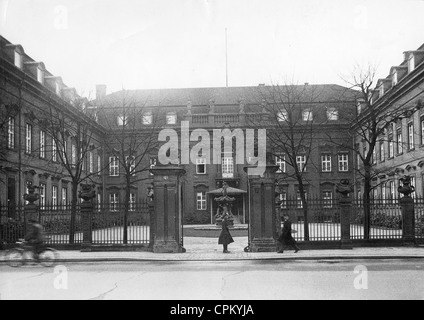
(207, 249)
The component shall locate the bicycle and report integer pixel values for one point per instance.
(24, 253)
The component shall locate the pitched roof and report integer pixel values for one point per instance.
(227, 95)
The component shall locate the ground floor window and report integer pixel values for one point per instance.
(201, 200)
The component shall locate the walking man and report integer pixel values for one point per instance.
(286, 236)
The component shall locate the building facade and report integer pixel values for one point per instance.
(400, 148)
(36, 108)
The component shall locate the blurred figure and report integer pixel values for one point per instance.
(225, 237)
(286, 236)
(35, 238)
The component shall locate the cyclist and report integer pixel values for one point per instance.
(35, 238)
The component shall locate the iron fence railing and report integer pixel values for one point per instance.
(109, 223)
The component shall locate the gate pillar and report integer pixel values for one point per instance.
(263, 227)
(167, 218)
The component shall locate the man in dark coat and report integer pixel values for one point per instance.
(225, 237)
(286, 236)
(35, 238)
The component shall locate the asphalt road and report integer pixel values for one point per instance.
(235, 280)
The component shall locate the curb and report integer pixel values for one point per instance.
(289, 259)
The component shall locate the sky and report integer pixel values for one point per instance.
(145, 44)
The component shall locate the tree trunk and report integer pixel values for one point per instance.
(305, 210)
(74, 203)
(367, 202)
(126, 209)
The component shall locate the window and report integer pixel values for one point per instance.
(327, 198)
(54, 150)
(122, 120)
(64, 197)
(42, 144)
(280, 161)
(57, 89)
(130, 161)
(114, 201)
(171, 118)
(391, 147)
(153, 162)
(307, 115)
(201, 200)
(394, 78)
(201, 166)
(343, 162)
(413, 183)
(283, 200)
(382, 152)
(11, 133)
(359, 107)
(392, 194)
(40, 75)
(113, 167)
(73, 155)
(64, 150)
(326, 163)
(147, 118)
(90, 162)
(411, 144)
(28, 140)
(381, 91)
(132, 202)
(299, 200)
(54, 197)
(227, 167)
(411, 63)
(18, 60)
(374, 156)
(301, 161)
(332, 114)
(422, 130)
(399, 141)
(383, 193)
(282, 116)
(42, 192)
(99, 165)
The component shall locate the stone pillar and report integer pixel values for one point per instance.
(167, 209)
(262, 215)
(87, 193)
(345, 202)
(345, 213)
(408, 211)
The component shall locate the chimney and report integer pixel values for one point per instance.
(262, 84)
(100, 91)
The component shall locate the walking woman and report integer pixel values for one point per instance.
(225, 237)
(286, 236)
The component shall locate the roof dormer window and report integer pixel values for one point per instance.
(381, 91)
(18, 59)
(394, 78)
(40, 75)
(57, 88)
(411, 63)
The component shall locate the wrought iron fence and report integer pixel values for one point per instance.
(419, 218)
(109, 223)
(57, 223)
(323, 216)
(12, 223)
(385, 219)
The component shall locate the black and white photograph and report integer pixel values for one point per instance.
(212, 157)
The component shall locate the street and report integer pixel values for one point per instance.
(217, 280)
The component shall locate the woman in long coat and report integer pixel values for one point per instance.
(225, 237)
(286, 236)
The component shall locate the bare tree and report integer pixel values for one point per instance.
(370, 125)
(290, 109)
(132, 140)
(72, 142)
